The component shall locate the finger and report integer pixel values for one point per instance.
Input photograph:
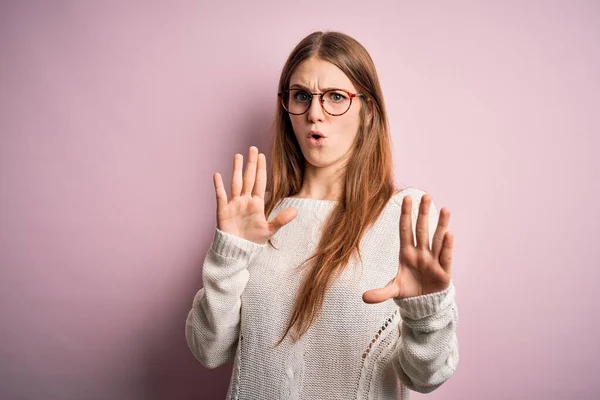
(446, 253)
(236, 180)
(406, 232)
(283, 218)
(422, 229)
(250, 174)
(261, 177)
(219, 191)
(442, 228)
(382, 294)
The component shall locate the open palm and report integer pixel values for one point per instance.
(243, 215)
(421, 269)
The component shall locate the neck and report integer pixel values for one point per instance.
(324, 183)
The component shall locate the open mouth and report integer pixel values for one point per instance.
(316, 140)
(315, 134)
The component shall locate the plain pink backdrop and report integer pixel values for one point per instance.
(114, 115)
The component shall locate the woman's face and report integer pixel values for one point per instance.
(316, 75)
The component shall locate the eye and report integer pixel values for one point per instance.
(300, 95)
(336, 97)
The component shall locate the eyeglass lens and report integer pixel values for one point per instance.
(297, 101)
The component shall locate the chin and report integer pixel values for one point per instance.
(321, 162)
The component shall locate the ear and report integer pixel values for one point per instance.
(369, 109)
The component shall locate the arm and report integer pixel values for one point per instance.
(427, 351)
(213, 324)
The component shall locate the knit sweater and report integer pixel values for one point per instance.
(353, 350)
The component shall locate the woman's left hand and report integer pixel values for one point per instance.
(421, 270)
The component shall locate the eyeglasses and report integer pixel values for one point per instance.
(334, 102)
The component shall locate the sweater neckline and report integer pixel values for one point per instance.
(304, 203)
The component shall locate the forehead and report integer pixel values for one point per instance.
(317, 74)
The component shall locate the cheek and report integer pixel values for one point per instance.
(349, 126)
(297, 127)
(298, 121)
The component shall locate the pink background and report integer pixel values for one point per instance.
(113, 117)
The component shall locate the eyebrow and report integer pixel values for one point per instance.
(307, 89)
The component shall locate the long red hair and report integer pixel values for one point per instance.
(368, 181)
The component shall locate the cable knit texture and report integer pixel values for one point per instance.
(353, 350)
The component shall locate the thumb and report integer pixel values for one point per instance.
(382, 294)
(282, 219)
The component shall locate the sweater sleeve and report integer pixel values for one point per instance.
(213, 323)
(427, 351)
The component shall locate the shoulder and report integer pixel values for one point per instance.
(415, 193)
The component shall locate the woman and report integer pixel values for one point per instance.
(344, 291)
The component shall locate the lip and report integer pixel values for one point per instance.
(315, 132)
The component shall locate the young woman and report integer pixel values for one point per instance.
(336, 286)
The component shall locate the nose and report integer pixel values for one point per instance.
(315, 111)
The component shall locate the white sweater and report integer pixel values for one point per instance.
(353, 350)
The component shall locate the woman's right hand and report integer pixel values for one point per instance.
(244, 214)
